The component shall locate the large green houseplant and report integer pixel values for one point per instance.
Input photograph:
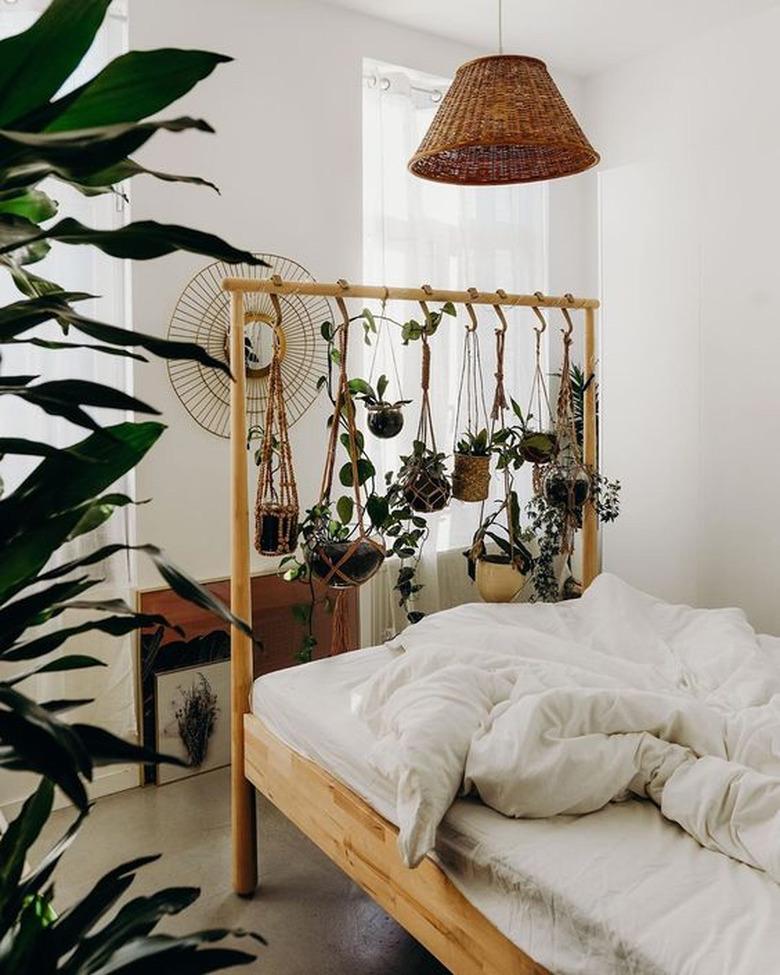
(85, 139)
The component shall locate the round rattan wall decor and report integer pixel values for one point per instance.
(202, 315)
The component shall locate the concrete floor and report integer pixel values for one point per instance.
(316, 921)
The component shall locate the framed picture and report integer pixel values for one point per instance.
(193, 719)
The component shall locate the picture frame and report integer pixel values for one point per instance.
(192, 719)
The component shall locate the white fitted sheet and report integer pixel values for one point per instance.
(618, 892)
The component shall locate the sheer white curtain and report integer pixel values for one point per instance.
(419, 232)
(77, 269)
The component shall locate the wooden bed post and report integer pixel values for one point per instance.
(242, 793)
(590, 530)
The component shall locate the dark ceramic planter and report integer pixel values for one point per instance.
(362, 563)
(567, 487)
(426, 493)
(273, 528)
(385, 421)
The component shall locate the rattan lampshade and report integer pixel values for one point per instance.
(502, 121)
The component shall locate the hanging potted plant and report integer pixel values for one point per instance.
(276, 504)
(471, 467)
(501, 575)
(471, 451)
(336, 552)
(537, 442)
(385, 418)
(423, 478)
(423, 475)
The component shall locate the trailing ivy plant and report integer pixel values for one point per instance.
(85, 139)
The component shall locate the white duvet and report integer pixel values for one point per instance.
(546, 710)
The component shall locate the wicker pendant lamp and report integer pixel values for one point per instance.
(503, 120)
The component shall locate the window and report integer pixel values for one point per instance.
(416, 232)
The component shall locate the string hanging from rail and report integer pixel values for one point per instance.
(426, 486)
(276, 503)
(348, 562)
(471, 470)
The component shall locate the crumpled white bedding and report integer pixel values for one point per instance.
(546, 710)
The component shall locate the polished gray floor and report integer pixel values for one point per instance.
(317, 922)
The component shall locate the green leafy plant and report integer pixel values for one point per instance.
(476, 444)
(413, 330)
(375, 397)
(85, 139)
(504, 528)
(517, 442)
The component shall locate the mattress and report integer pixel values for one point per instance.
(618, 892)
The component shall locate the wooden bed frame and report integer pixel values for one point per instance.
(363, 844)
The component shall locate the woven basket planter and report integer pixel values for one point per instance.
(471, 477)
(276, 529)
(498, 579)
(426, 492)
(342, 565)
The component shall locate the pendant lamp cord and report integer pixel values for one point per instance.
(500, 27)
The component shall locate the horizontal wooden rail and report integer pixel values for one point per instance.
(339, 290)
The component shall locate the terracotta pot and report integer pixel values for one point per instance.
(363, 561)
(426, 492)
(498, 579)
(276, 531)
(385, 421)
(471, 477)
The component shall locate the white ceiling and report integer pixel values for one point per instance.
(581, 36)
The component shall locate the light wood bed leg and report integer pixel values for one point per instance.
(590, 527)
(242, 793)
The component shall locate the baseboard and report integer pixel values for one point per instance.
(107, 782)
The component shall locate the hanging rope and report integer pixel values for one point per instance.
(538, 384)
(381, 331)
(424, 487)
(472, 382)
(565, 425)
(276, 504)
(497, 415)
(338, 568)
(425, 431)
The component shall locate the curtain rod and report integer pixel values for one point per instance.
(342, 289)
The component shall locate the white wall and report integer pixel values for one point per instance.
(689, 209)
(287, 156)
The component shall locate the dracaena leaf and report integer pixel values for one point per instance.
(28, 157)
(144, 240)
(66, 397)
(36, 63)
(131, 87)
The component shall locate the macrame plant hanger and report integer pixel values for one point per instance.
(471, 472)
(382, 333)
(497, 417)
(339, 566)
(276, 502)
(567, 482)
(425, 490)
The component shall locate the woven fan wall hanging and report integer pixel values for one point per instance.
(202, 315)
